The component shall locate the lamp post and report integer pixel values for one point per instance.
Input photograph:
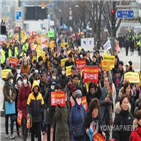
(19, 4)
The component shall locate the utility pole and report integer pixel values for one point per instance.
(19, 3)
(112, 26)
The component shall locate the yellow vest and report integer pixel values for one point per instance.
(16, 52)
(2, 56)
(9, 53)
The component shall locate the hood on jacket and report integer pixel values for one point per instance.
(35, 83)
(135, 124)
(118, 108)
(18, 76)
(25, 59)
(10, 74)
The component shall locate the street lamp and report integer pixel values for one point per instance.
(76, 6)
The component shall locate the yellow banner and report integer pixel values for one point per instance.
(39, 41)
(52, 44)
(64, 44)
(68, 70)
(5, 72)
(68, 52)
(132, 77)
(63, 62)
(108, 61)
(40, 52)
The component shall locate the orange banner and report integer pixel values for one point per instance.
(84, 103)
(13, 61)
(19, 118)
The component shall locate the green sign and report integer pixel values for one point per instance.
(50, 33)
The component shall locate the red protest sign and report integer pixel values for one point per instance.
(34, 33)
(84, 103)
(58, 98)
(19, 119)
(90, 74)
(80, 64)
(13, 61)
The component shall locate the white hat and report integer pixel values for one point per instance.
(127, 64)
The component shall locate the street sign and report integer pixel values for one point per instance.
(18, 14)
(127, 14)
(49, 6)
(18, 24)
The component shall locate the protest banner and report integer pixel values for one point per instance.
(90, 74)
(34, 33)
(29, 122)
(64, 44)
(84, 103)
(80, 64)
(63, 62)
(13, 61)
(132, 77)
(107, 46)
(40, 52)
(10, 108)
(68, 70)
(5, 72)
(58, 98)
(50, 33)
(108, 61)
(19, 118)
(51, 44)
(93, 134)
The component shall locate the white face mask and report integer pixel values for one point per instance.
(11, 81)
(52, 87)
(18, 71)
(78, 100)
(25, 81)
(63, 72)
(38, 81)
(66, 99)
(54, 77)
(19, 82)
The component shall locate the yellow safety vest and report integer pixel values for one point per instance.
(16, 52)
(2, 56)
(9, 53)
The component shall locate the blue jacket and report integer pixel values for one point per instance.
(103, 103)
(77, 116)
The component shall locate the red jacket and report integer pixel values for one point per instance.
(22, 99)
(136, 134)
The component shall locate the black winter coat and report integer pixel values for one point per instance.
(88, 120)
(47, 104)
(63, 80)
(123, 119)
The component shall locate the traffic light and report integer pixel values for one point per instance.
(113, 19)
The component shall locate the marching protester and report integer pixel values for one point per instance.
(9, 93)
(35, 99)
(23, 94)
(124, 119)
(93, 88)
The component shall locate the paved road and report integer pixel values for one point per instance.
(136, 64)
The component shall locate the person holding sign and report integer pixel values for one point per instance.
(77, 118)
(93, 117)
(9, 93)
(35, 99)
(24, 92)
(69, 62)
(62, 116)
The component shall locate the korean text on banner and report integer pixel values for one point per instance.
(5, 72)
(58, 98)
(10, 108)
(108, 61)
(13, 61)
(63, 62)
(19, 118)
(80, 64)
(107, 46)
(50, 33)
(68, 70)
(132, 77)
(29, 122)
(90, 74)
(84, 103)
